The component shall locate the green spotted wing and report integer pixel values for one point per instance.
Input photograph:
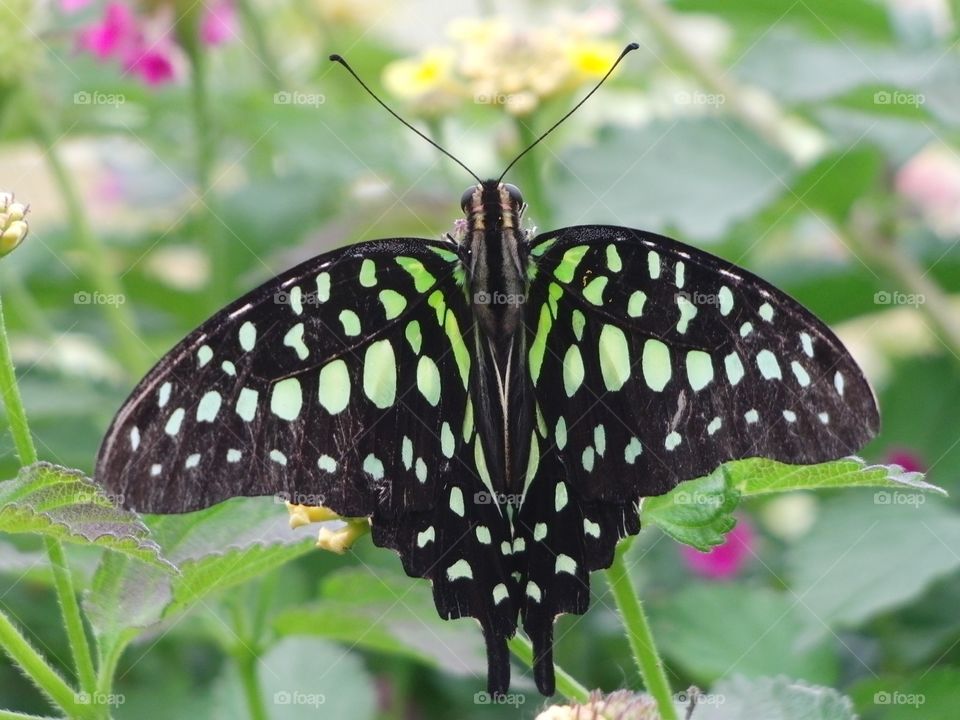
(653, 363)
(343, 382)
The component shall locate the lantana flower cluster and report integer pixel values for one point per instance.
(493, 61)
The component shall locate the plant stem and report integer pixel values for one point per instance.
(247, 665)
(210, 235)
(19, 428)
(44, 677)
(13, 715)
(23, 441)
(264, 54)
(872, 244)
(97, 265)
(567, 685)
(638, 633)
(73, 621)
(246, 654)
(530, 178)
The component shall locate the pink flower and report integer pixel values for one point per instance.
(907, 459)
(930, 180)
(142, 45)
(724, 561)
(153, 65)
(218, 24)
(116, 33)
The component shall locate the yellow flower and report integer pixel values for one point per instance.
(498, 63)
(591, 59)
(339, 540)
(426, 80)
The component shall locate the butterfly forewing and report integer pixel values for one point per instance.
(664, 362)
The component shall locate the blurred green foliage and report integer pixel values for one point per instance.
(799, 161)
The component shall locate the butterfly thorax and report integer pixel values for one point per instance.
(497, 266)
(497, 293)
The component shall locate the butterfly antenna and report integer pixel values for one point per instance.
(628, 49)
(339, 59)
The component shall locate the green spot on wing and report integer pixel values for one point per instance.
(393, 303)
(539, 345)
(460, 351)
(567, 267)
(422, 279)
(447, 255)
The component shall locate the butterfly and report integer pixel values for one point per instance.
(496, 402)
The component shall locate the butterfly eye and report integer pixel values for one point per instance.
(467, 197)
(514, 192)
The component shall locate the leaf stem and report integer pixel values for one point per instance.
(264, 54)
(97, 264)
(246, 654)
(210, 234)
(638, 633)
(22, 439)
(14, 715)
(44, 677)
(567, 685)
(19, 428)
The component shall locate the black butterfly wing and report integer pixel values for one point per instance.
(342, 382)
(653, 363)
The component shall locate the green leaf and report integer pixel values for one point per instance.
(50, 500)
(833, 184)
(868, 553)
(390, 613)
(697, 512)
(214, 549)
(306, 678)
(825, 18)
(773, 699)
(747, 631)
(932, 696)
(888, 101)
(697, 176)
(759, 476)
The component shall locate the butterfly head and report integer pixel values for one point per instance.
(492, 206)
